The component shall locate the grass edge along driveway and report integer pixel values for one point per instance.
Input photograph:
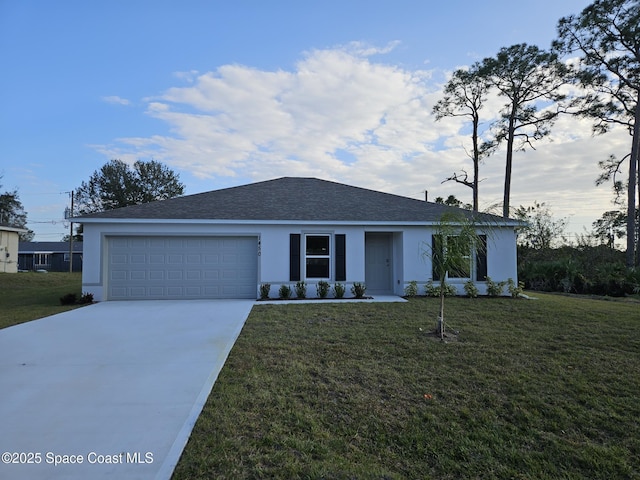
(29, 296)
(532, 389)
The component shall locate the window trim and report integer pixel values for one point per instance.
(329, 256)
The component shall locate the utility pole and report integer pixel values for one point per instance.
(71, 236)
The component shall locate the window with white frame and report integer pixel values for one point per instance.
(42, 259)
(317, 250)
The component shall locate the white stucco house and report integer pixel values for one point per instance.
(226, 243)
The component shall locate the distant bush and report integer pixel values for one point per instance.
(593, 270)
(338, 290)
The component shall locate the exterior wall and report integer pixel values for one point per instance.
(8, 251)
(57, 262)
(501, 258)
(409, 261)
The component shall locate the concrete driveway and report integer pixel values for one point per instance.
(112, 389)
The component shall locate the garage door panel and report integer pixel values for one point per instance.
(174, 274)
(137, 243)
(138, 258)
(139, 275)
(157, 259)
(194, 275)
(194, 259)
(211, 275)
(208, 259)
(182, 267)
(156, 275)
(175, 259)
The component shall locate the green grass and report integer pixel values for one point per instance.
(28, 296)
(540, 389)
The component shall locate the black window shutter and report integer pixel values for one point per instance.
(341, 258)
(294, 257)
(436, 256)
(481, 259)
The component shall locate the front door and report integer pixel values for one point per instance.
(378, 263)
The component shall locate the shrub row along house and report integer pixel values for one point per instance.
(226, 243)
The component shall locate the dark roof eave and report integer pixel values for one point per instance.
(222, 221)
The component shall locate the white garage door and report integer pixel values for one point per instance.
(182, 267)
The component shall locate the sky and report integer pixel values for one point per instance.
(228, 93)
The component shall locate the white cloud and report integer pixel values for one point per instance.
(339, 115)
(114, 99)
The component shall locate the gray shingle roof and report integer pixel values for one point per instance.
(291, 199)
(53, 247)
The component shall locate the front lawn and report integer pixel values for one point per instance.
(531, 389)
(28, 296)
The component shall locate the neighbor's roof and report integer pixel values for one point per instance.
(8, 228)
(291, 199)
(48, 247)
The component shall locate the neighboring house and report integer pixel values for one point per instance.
(50, 256)
(226, 243)
(9, 239)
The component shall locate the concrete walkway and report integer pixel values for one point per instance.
(111, 390)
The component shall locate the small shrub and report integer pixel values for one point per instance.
(433, 290)
(470, 289)
(86, 298)
(411, 290)
(284, 292)
(322, 289)
(494, 289)
(338, 290)
(265, 288)
(68, 299)
(515, 290)
(358, 289)
(301, 289)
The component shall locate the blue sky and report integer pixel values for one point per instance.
(227, 93)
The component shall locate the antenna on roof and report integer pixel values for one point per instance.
(426, 195)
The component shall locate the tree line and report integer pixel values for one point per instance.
(597, 51)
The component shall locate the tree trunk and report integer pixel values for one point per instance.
(441, 317)
(440, 324)
(633, 256)
(476, 162)
(507, 173)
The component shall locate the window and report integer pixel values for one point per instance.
(459, 255)
(42, 259)
(317, 256)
